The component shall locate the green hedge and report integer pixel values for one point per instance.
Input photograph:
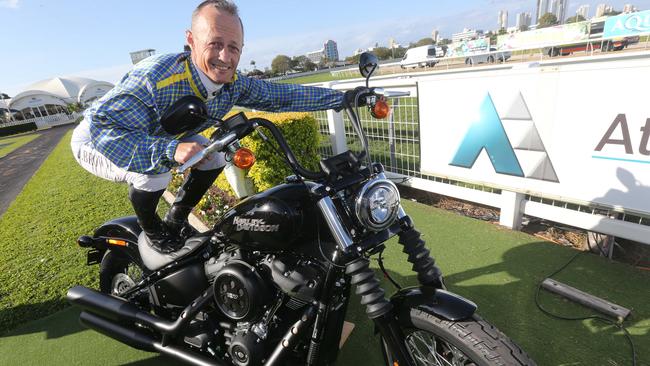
(12, 130)
(301, 132)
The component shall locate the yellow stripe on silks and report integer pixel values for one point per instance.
(188, 74)
(171, 80)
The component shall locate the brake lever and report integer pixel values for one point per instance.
(217, 145)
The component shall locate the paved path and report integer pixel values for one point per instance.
(19, 165)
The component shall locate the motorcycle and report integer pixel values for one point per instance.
(269, 284)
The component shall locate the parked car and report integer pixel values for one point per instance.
(423, 56)
(488, 57)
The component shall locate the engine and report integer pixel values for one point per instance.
(257, 298)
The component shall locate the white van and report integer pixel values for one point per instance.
(422, 56)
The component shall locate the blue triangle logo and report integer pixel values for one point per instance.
(488, 133)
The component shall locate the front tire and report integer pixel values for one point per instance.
(473, 341)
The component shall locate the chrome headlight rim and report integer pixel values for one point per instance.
(363, 211)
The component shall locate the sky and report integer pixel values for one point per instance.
(42, 39)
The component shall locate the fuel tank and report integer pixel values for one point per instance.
(270, 221)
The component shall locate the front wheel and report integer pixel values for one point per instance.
(473, 341)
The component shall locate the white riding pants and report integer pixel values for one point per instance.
(98, 164)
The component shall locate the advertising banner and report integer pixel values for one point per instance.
(465, 48)
(564, 131)
(559, 34)
(627, 24)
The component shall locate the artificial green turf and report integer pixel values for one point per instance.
(495, 267)
(10, 144)
(39, 258)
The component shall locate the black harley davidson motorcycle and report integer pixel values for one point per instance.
(270, 283)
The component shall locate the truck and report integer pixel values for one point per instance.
(422, 56)
(594, 42)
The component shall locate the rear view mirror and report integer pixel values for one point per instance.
(184, 115)
(367, 64)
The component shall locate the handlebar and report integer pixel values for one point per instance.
(217, 145)
(293, 162)
(225, 140)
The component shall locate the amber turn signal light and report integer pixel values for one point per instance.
(381, 109)
(243, 158)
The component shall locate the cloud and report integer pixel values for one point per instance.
(12, 4)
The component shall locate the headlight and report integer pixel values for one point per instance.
(377, 204)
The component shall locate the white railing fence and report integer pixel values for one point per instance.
(396, 143)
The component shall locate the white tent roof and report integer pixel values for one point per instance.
(60, 90)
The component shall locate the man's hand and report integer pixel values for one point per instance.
(185, 150)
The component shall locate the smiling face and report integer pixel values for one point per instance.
(216, 40)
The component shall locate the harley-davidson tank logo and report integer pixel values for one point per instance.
(254, 225)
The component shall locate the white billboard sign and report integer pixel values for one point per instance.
(577, 132)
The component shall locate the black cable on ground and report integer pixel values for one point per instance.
(593, 317)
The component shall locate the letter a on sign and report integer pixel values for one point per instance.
(488, 133)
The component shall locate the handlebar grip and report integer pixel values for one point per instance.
(192, 161)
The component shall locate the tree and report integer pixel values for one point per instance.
(303, 63)
(547, 20)
(575, 19)
(611, 13)
(524, 28)
(383, 53)
(253, 64)
(424, 42)
(502, 31)
(281, 64)
(353, 59)
(444, 41)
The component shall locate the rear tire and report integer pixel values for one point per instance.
(117, 274)
(471, 341)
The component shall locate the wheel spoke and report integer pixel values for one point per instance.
(428, 350)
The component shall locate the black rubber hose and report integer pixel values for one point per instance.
(369, 288)
(423, 264)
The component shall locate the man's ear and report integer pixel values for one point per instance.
(189, 38)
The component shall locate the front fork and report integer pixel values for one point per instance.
(378, 308)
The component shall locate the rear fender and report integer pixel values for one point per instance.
(119, 235)
(436, 302)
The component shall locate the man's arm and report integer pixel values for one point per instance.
(267, 96)
(121, 130)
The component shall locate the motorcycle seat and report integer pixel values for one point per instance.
(155, 260)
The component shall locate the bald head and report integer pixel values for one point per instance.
(225, 6)
(216, 39)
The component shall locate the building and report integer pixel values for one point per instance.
(502, 20)
(542, 8)
(583, 10)
(138, 56)
(331, 51)
(603, 9)
(316, 56)
(435, 35)
(558, 8)
(51, 96)
(523, 21)
(629, 8)
(466, 34)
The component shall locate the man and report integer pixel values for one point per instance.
(121, 138)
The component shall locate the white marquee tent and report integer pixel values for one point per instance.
(59, 92)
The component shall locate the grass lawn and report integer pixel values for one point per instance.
(495, 267)
(39, 258)
(9, 144)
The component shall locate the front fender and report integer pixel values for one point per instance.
(437, 302)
